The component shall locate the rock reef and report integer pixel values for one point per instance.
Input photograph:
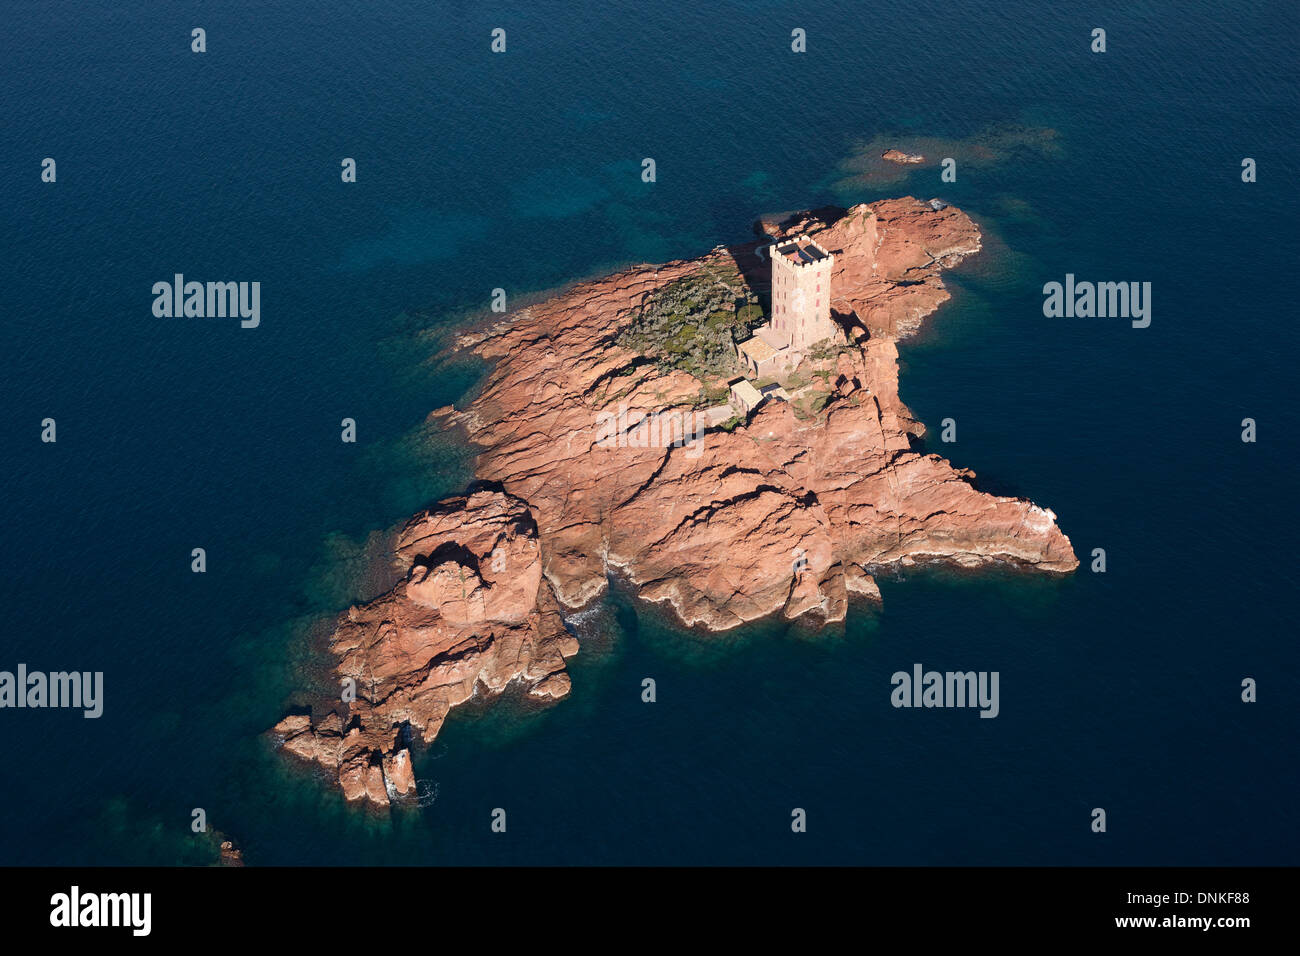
(786, 511)
(898, 156)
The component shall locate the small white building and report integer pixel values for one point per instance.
(745, 396)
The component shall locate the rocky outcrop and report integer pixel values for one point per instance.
(898, 156)
(472, 613)
(229, 854)
(589, 474)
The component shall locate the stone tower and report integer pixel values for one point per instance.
(801, 293)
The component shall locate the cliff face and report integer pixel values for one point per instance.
(786, 513)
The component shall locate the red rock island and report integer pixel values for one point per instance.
(618, 435)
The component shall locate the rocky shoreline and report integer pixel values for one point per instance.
(786, 510)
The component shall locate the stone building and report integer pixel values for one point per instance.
(745, 396)
(801, 309)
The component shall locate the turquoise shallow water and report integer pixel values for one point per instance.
(521, 171)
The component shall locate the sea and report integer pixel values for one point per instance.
(1120, 689)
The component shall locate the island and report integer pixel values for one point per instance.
(724, 434)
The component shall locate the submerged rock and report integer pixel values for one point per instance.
(898, 156)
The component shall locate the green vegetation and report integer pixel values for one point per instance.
(803, 409)
(712, 396)
(823, 351)
(795, 380)
(693, 324)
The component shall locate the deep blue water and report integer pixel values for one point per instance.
(476, 171)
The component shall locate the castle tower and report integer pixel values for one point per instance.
(801, 293)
